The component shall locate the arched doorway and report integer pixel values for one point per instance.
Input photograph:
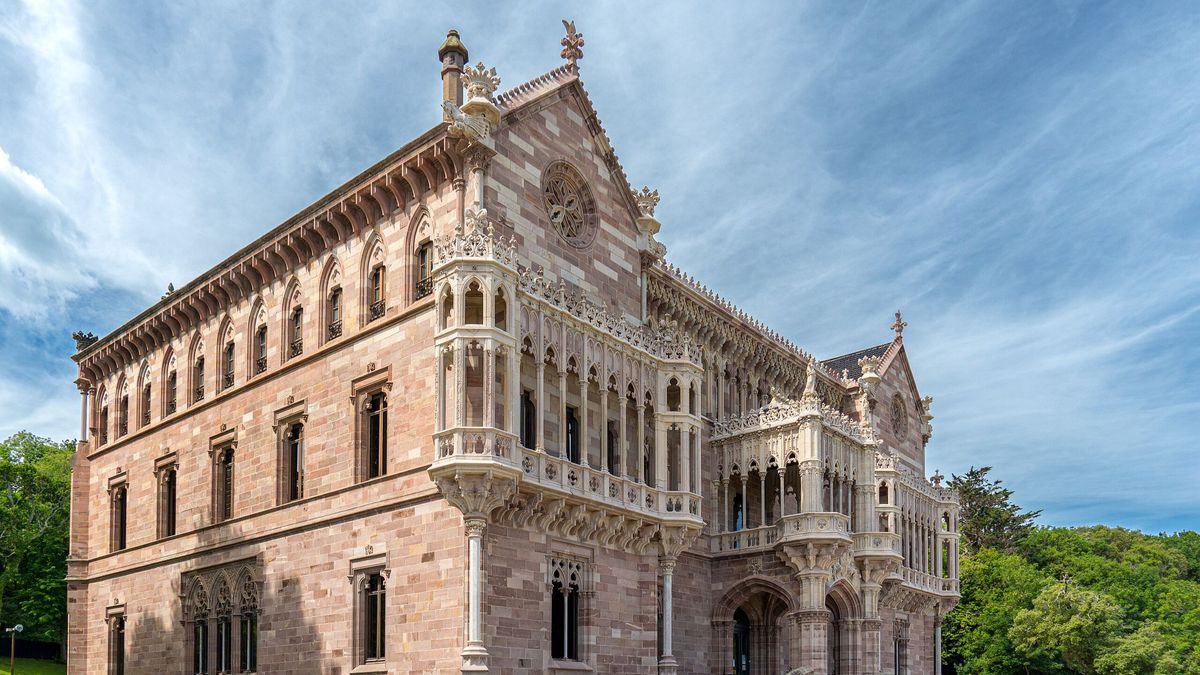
(749, 635)
(833, 643)
(741, 642)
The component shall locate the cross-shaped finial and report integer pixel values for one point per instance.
(899, 325)
(572, 43)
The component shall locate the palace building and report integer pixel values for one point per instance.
(460, 416)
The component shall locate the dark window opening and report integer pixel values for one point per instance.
(297, 345)
(172, 391)
(116, 646)
(376, 435)
(200, 647)
(374, 619)
(168, 502)
(424, 281)
(528, 420)
(103, 425)
(294, 459)
(335, 313)
(145, 405)
(123, 416)
(378, 305)
(119, 511)
(249, 642)
(614, 459)
(227, 367)
(198, 379)
(564, 626)
(224, 489)
(572, 435)
(260, 357)
(225, 645)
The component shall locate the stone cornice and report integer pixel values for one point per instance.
(397, 182)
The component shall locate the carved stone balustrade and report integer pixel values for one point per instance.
(815, 528)
(744, 540)
(881, 545)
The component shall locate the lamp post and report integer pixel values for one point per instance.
(12, 646)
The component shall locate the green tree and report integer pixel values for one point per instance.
(995, 588)
(1142, 652)
(34, 514)
(1188, 544)
(987, 516)
(1067, 624)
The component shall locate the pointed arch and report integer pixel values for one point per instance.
(226, 352)
(169, 387)
(143, 394)
(842, 594)
(333, 301)
(374, 279)
(122, 401)
(196, 368)
(258, 334)
(292, 326)
(418, 251)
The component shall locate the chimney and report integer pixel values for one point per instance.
(453, 54)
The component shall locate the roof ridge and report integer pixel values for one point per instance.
(523, 93)
(856, 353)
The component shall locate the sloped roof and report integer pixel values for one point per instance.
(850, 361)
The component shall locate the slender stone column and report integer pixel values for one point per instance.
(605, 459)
(762, 497)
(623, 453)
(514, 385)
(685, 458)
(474, 655)
(489, 384)
(937, 645)
(745, 502)
(540, 437)
(666, 661)
(440, 384)
(720, 394)
(641, 443)
(562, 411)
(85, 394)
(726, 513)
(460, 386)
(584, 457)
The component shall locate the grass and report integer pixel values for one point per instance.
(33, 667)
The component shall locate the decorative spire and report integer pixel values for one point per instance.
(937, 478)
(572, 44)
(899, 325)
(647, 200)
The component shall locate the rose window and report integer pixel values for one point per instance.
(569, 204)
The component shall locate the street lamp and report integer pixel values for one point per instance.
(12, 646)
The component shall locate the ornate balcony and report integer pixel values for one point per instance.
(335, 330)
(260, 365)
(378, 309)
(171, 406)
(424, 287)
(296, 348)
(227, 380)
(198, 393)
(145, 417)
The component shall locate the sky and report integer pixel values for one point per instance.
(1022, 179)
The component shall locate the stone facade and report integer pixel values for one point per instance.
(460, 416)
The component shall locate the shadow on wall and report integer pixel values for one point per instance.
(288, 640)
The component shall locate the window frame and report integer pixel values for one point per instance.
(376, 382)
(362, 570)
(118, 496)
(114, 617)
(285, 418)
(260, 345)
(567, 632)
(166, 471)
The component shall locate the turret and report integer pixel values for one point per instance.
(452, 54)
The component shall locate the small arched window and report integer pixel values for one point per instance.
(447, 308)
(335, 314)
(883, 493)
(501, 310)
(297, 330)
(198, 379)
(423, 284)
(378, 302)
(145, 404)
(474, 303)
(260, 349)
(673, 395)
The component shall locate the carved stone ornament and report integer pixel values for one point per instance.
(569, 204)
(83, 340)
(476, 494)
(481, 82)
(572, 43)
(647, 200)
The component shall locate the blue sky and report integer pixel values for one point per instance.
(1020, 178)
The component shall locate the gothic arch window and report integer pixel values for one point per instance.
(122, 407)
(447, 307)
(102, 415)
(170, 386)
(500, 310)
(257, 327)
(899, 416)
(569, 204)
(567, 585)
(197, 363)
(144, 395)
(473, 302)
(293, 321)
(334, 306)
(421, 250)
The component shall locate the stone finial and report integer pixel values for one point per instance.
(899, 325)
(481, 82)
(927, 403)
(647, 200)
(870, 370)
(937, 478)
(452, 44)
(83, 340)
(572, 44)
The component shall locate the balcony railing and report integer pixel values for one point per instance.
(335, 330)
(565, 477)
(199, 393)
(928, 582)
(741, 540)
(378, 309)
(297, 348)
(122, 428)
(171, 407)
(260, 365)
(145, 417)
(424, 287)
(227, 380)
